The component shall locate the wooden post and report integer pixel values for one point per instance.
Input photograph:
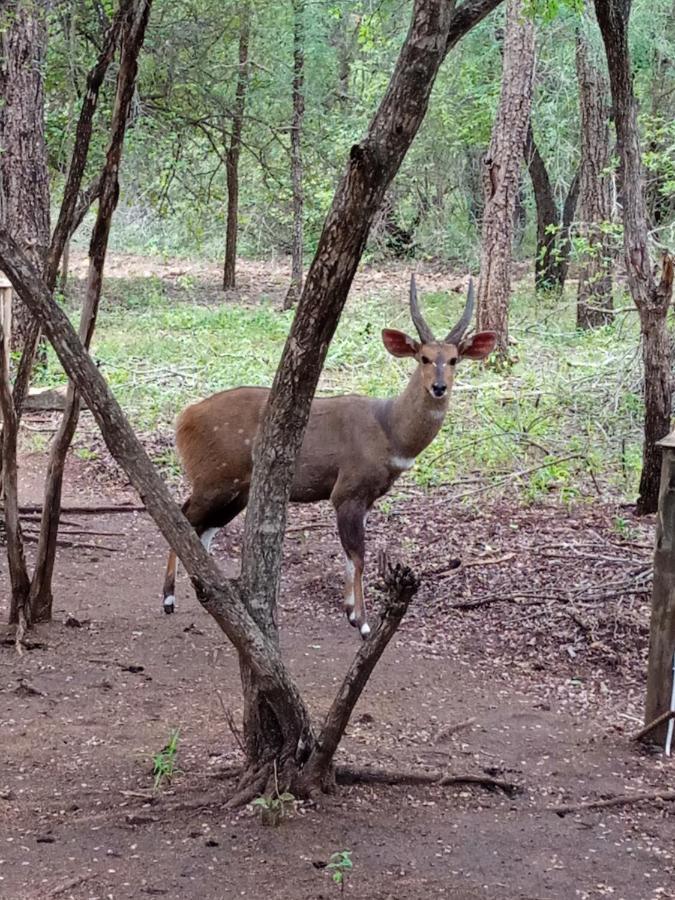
(662, 626)
(5, 321)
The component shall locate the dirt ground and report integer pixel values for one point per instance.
(526, 685)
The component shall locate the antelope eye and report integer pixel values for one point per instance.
(453, 361)
(426, 360)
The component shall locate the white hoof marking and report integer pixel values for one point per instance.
(352, 616)
(365, 629)
(169, 603)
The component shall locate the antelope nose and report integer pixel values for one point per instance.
(438, 389)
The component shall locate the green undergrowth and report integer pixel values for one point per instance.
(564, 419)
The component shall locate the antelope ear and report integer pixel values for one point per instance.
(398, 343)
(478, 346)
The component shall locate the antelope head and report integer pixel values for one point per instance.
(437, 359)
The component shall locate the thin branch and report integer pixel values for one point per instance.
(402, 585)
(659, 720)
(624, 800)
(350, 775)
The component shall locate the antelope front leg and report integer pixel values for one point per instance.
(351, 528)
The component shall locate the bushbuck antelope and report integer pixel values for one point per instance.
(354, 447)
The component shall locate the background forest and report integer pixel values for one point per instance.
(570, 408)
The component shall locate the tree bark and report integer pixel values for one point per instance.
(278, 720)
(40, 597)
(501, 174)
(594, 299)
(553, 228)
(234, 149)
(24, 180)
(651, 298)
(295, 288)
(69, 216)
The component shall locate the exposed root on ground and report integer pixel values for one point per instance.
(350, 775)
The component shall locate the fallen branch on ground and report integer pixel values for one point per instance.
(624, 800)
(659, 720)
(349, 775)
(86, 510)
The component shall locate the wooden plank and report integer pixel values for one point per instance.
(662, 624)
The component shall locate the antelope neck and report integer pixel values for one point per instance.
(414, 418)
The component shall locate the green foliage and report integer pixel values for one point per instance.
(564, 420)
(275, 806)
(340, 865)
(173, 177)
(164, 762)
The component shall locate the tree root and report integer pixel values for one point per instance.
(624, 800)
(349, 775)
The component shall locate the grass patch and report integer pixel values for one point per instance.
(566, 418)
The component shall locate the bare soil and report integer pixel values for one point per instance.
(525, 686)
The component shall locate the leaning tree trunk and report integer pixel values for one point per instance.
(40, 597)
(24, 180)
(234, 149)
(245, 609)
(296, 151)
(501, 174)
(651, 297)
(553, 229)
(594, 299)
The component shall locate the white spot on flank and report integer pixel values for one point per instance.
(401, 462)
(247, 441)
(365, 629)
(207, 537)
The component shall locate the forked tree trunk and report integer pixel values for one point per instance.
(234, 148)
(24, 180)
(40, 597)
(553, 228)
(501, 174)
(296, 151)
(651, 297)
(277, 722)
(594, 299)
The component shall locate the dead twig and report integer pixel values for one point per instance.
(623, 800)
(659, 720)
(87, 510)
(350, 775)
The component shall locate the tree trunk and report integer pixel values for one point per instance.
(73, 207)
(277, 723)
(234, 149)
(501, 174)
(40, 598)
(24, 180)
(296, 151)
(553, 241)
(594, 299)
(651, 298)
